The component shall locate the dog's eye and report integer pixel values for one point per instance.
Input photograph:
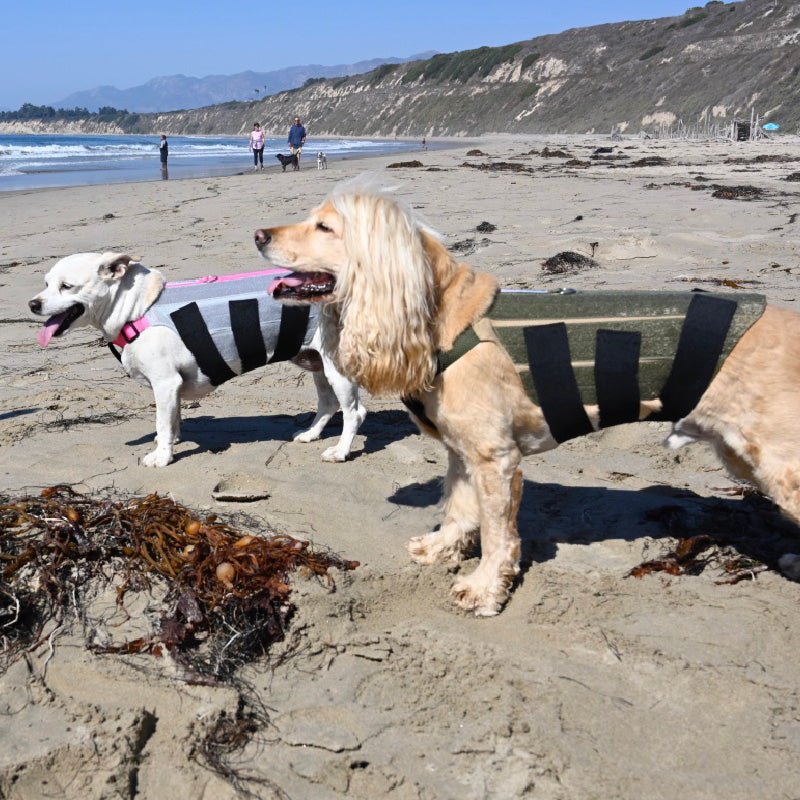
(66, 287)
(321, 226)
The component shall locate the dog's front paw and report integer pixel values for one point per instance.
(306, 436)
(334, 454)
(431, 547)
(158, 458)
(484, 599)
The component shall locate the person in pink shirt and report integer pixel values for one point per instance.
(257, 146)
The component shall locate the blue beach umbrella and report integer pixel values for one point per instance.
(771, 126)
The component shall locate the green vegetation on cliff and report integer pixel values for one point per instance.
(28, 112)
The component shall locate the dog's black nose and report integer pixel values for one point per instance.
(35, 305)
(262, 238)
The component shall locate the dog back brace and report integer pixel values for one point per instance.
(233, 326)
(611, 349)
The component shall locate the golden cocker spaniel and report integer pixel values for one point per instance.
(395, 299)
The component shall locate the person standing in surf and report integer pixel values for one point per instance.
(163, 151)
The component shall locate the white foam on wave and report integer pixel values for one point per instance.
(53, 151)
(61, 160)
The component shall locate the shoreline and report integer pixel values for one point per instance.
(142, 169)
(591, 683)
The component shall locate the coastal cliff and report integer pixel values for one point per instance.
(72, 127)
(707, 66)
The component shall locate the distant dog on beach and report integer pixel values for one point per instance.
(183, 339)
(322, 160)
(286, 160)
(404, 318)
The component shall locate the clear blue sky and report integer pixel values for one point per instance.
(50, 49)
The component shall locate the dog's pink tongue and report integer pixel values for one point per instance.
(47, 331)
(286, 281)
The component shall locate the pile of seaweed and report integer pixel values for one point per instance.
(567, 261)
(735, 541)
(498, 166)
(222, 594)
(736, 192)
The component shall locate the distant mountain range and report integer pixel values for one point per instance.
(178, 92)
(699, 70)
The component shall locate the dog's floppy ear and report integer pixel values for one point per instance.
(388, 298)
(463, 295)
(114, 266)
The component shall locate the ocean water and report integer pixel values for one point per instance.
(45, 161)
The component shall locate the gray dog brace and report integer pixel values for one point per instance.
(230, 324)
(612, 349)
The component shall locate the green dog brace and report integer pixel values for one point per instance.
(612, 348)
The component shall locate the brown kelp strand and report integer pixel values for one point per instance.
(736, 540)
(225, 592)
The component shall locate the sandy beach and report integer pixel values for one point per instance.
(592, 684)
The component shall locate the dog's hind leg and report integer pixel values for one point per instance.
(457, 535)
(327, 406)
(334, 391)
(176, 423)
(353, 412)
(498, 485)
(328, 402)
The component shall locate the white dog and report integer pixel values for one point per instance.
(184, 339)
(322, 160)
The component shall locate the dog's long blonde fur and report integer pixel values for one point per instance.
(395, 358)
(400, 297)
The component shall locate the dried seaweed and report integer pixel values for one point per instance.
(467, 246)
(567, 261)
(737, 542)
(764, 158)
(649, 161)
(688, 558)
(548, 153)
(220, 744)
(225, 593)
(499, 166)
(736, 192)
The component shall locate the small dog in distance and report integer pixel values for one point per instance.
(322, 160)
(286, 160)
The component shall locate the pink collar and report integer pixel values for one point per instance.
(131, 331)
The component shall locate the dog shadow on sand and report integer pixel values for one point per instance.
(716, 530)
(217, 434)
(751, 527)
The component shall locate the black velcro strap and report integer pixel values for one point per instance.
(246, 329)
(556, 387)
(115, 352)
(699, 348)
(294, 324)
(616, 376)
(194, 332)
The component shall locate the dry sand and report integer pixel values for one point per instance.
(590, 684)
